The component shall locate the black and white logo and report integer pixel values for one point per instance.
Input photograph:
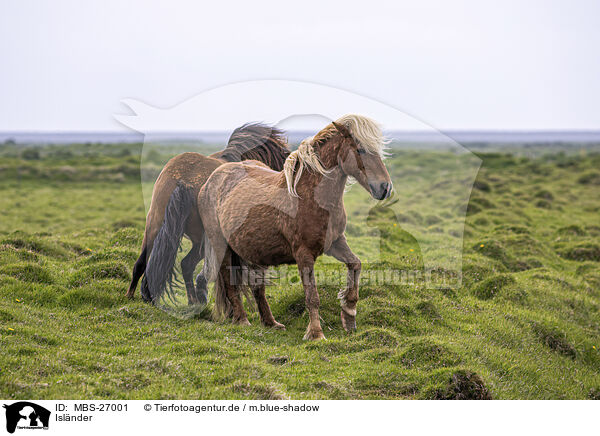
(26, 415)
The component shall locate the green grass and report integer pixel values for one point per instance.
(525, 324)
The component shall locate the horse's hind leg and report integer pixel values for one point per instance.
(202, 284)
(266, 316)
(188, 265)
(306, 262)
(202, 277)
(138, 270)
(229, 278)
(145, 291)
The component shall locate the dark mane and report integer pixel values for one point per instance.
(258, 142)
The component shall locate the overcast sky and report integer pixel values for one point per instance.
(65, 65)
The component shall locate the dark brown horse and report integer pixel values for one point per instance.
(258, 217)
(173, 210)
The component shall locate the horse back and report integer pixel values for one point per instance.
(251, 208)
(190, 170)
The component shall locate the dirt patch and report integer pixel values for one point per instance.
(464, 385)
(554, 339)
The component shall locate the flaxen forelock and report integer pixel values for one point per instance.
(365, 131)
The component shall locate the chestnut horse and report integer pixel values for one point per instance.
(173, 210)
(255, 216)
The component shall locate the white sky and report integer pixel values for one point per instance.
(65, 65)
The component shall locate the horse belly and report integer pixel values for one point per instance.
(256, 237)
(260, 247)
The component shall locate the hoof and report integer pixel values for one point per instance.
(348, 322)
(276, 325)
(129, 295)
(201, 290)
(202, 297)
(244, 322)
(312, 335)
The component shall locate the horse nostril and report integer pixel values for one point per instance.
(374, 188)
(380, 190)
(384, 188)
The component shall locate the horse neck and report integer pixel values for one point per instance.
(326, 189)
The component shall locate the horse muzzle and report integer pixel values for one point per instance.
(380, 190)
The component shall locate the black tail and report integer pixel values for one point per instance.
(160, 272)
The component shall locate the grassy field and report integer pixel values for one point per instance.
(525, 324)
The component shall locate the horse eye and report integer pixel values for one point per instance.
(361, 151)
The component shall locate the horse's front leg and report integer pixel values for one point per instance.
(306, 263)
(349, 296)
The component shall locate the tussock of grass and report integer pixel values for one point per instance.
(126, 237)
(543, 204)
(99, 294)
(10, 254)
(33, 244)
(571, 230)
(594, 394)
(482, 202)
(490, 287)
(377, 337)
(508, 229)
(459, 385)
(482, 185)
(554, 339)
(429, 310)
(582, 252)
(27, 272)
(589, 178)
(586, 268)
(259, 391)
(425, 352)
(112, 254)
(98, 271)
(544, 194)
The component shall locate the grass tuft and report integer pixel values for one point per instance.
(490, 287)
(582, 252)
(554, 339)
(461, 385)
(27, 272)
(99, 271)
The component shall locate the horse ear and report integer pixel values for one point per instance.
(342, 129)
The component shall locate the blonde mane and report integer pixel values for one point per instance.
(304, 156)
(365, 131)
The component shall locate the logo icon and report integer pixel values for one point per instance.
(26, 415)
